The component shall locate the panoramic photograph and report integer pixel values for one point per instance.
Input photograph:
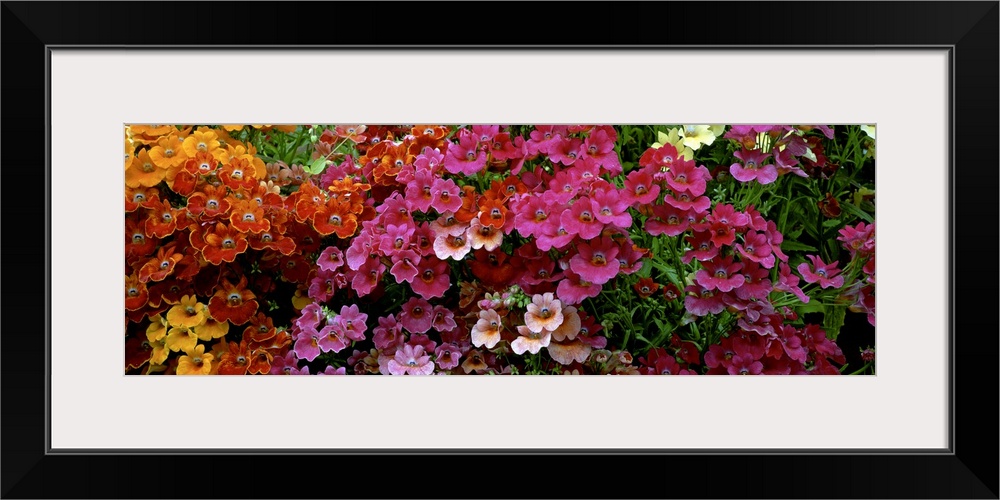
(483, 249)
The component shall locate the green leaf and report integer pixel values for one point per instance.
(857, 212)
(317, 166)
(811, 307)
(833, 320)
(794, 245)
(831, 223)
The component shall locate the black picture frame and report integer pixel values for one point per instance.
(969, 469)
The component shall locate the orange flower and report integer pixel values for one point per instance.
(143, 171)
(137, 244)
(204, 140)
(272, 239)
(469, 209)
(140, 197)
(160, 266)
(210, 201)
(236, 360)
(306, 201)
(238, 173)
(233, 303)
(427, 136)
(260, 362)
(168, 152)
(335, 216)
(219, 244)
(248, 217)
(136, 294)
(196, 362)
(261, 329)
(203, 163)
(492, 212)
(162, 219)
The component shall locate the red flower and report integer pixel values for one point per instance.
(238, 173)
(493, 268)
(272, 239)
(140, 197)
(161, 220)
(136, 294)
(646, 287)
(248, 217)
(218, 244)
(261, 329)
(210, 201)
(160, 266)
(137, 244)
(335, 217)
(233, 303)
(235, 361)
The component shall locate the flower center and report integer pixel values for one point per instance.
(335, 220)
(228, 244)
(168, 152)
(235, 299)
(586, 216)
(470, 156)
(598, 259)
(148, 167)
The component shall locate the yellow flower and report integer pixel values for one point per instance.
(159, 353)
(673, 137)
(203, 140)
(142, 171)
(196, 362)
(300, 300)
(211, 329)
(157, 329)
(188, 313)
(168, 152)
(694, 136)
(181, 339)
(869, 130)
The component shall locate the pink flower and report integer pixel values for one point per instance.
(417, 315)
(404, 265)
(824, 274)
(566, 151)
(446, 195)
(330, 259)
(756, 248)
(599, 149)
(720, 274)
(569, 327)
(573, 288)
(530, 341)
(352, 322)
(463, 158)
(703, 301)
(752, 168)
(684, 176)
(685, 201)
(485, 133)
(745, 365)
(543, 138)
(640, 188)
(611, 208)
(396, 238)
(788, 282)
(595, 261)
(443, 319)
(388, 333)
(447, 356)
(410, 360)
(307, 344)
(667, 220)
(432, 279)
(581, 219)
(331, 338)
(555, 235)
(367, 277)
(544, 313)
(757, 285)
(486, 332)
(454, 247)
(530, 215)
(483, 236)
(703, 247)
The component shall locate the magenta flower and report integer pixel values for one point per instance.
(443, 319)
(720, 274)
(530, 215)
(824, 274)
(485, 133)
(543, 138)
(330, 259)
(331, 338)
(396, 238)
(757, 285)
(566, 151)
(581, 219)
(596, 261)
(788, 282)
(404, 265)
(432, 278)
(388, 333)
(858, 239)
(728, 215)
(573, 288)
(417, 315)
(686, 177)
(640, 188)
(703, 302)
(322, 286)
(307, 344)
(753, 168)
(410, 360)
(310, 317)
(702, 247)
(352, 322)
(599, 149)
(564, 186)
(447, 197)
(611, 208)
(685, 201)
(463, 158)
(745, 365)
(667, 220)
(447, 356)
(756, 248)
(555, 235)
(367, 277)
